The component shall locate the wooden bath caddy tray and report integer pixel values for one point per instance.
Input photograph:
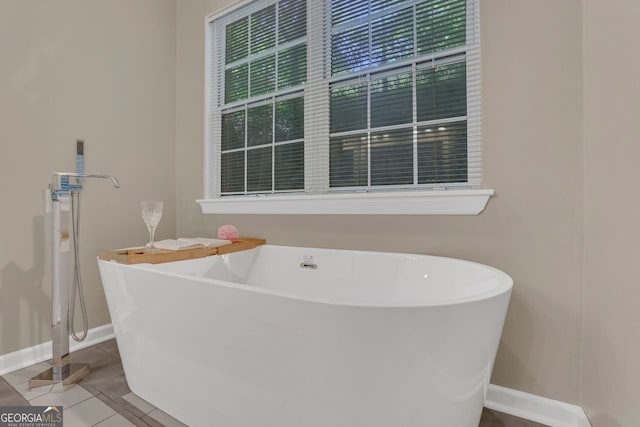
(138, 256)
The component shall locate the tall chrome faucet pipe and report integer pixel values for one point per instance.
(65, 214)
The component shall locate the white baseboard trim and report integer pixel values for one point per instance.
(535, 408)
(38, 353)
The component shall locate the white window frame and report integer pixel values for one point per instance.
(436, 200)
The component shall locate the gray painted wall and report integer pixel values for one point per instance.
(103, 71)
(611, 342)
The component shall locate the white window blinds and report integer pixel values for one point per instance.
(343, 96)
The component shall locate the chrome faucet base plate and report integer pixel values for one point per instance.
(77, 371)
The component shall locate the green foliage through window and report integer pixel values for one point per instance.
(390, 105)
(392, 126)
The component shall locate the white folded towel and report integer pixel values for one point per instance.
(189, 243)
(210, 243)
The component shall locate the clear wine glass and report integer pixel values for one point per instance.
(151, 214)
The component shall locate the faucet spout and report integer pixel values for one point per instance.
(84, 175)
(113, 179)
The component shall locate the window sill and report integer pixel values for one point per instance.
(449, 202)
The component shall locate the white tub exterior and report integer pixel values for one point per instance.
(367, 339)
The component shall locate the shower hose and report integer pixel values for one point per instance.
(77, 278)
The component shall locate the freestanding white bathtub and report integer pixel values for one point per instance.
(298, 337)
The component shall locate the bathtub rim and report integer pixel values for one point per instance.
(505, 282)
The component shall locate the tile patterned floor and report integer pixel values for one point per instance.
(103, 398)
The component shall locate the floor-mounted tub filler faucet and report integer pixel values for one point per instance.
(64, 204)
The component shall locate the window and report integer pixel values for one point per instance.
(343, 97)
